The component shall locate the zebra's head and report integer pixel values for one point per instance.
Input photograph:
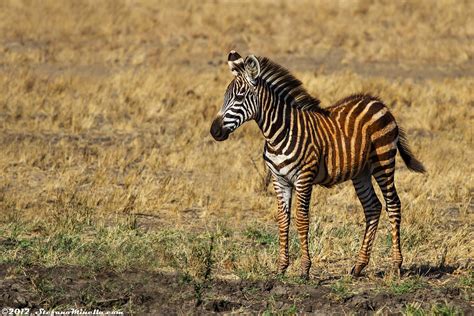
(240, 99)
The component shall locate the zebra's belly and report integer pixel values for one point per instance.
(329, 174)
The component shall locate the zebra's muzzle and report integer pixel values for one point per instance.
(218, 131)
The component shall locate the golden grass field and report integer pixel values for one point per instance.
(113, 195)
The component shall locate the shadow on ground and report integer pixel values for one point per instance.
(165, 293)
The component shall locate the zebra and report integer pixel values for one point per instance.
(305, 145)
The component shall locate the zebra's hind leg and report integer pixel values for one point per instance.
(284, 193)
(372, 209)
(385, 180)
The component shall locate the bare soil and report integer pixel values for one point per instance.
(169, 294)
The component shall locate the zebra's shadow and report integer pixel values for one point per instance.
(423, 270)
(431, 271)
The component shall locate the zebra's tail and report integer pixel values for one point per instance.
(412, 163)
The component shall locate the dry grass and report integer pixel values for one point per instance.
(106, 159)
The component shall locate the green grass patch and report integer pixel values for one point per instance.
(467, 280)
(443, 309)
(341, 288)
(96, 243)
(405, 286)
(261, 236)
(414, 309)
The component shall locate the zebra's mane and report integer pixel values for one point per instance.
(301, 98)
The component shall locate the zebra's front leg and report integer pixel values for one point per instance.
(303, 198)
(284, 192)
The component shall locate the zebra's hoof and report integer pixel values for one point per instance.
(282, 268)
(304, 276)
(396, 270)
(356, 270)
(280, 272)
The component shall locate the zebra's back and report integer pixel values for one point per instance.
(359, 133)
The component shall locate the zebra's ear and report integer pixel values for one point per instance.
(252, 68)
(235, 62)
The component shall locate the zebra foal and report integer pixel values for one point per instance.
(355, 139)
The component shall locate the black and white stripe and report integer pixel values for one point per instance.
(355, 139)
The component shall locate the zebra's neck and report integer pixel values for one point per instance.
(282, 102)
(275, 115)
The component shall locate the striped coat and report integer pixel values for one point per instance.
(355, 139)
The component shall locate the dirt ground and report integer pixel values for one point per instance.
(171, 294)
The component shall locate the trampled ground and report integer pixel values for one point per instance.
(114, 196)
(138, 291)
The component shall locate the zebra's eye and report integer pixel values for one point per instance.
(239, 97)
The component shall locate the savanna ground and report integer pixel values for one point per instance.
(114, 196)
